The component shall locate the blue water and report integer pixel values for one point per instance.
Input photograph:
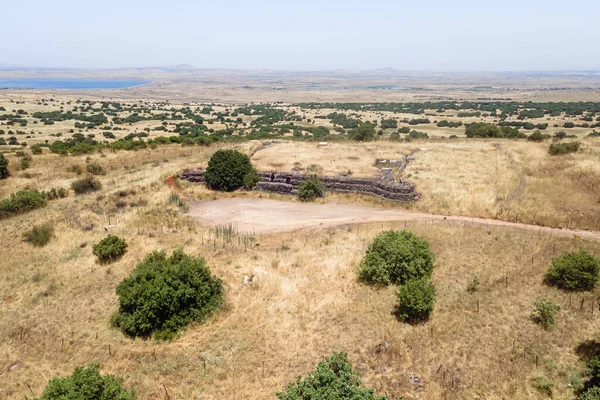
(68, 83)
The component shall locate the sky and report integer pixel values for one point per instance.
(309, 35)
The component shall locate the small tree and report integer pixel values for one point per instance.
(333, 379)
(545, 313)
(164, 294)
(3, 167)
(251, 178)
(416, 299)
(87, 384)
(227, 169)
(109, 249)
(576, 271)
(311, 188)
(396, 257)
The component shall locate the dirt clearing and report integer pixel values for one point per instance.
(263, 216)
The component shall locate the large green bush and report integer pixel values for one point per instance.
(86, 185)
(334, 379)
(311, 188)
(87, 384)
(164, 294)
(396, 257)
(20, 202)
(416, 299)
(3, 167)
(576, 271)
(227, 169)
(592, 393)
(109, 249)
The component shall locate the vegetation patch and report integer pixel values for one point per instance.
(164, 294)
(20, 202)
(87, 384)
(3, 167)
(310, 189)
(229, 170)
(545, 313)
(109, 249)
(39, 235)
(86, 185)
(396, 257)
(334, 379)
(564, 148)
(416, 299)
(577, 271)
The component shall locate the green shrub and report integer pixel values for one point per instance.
(593, 393)
(227, 169)
(404, 130)
(76, 169)
(87, 384)
(95, 169)
(416, 299)
(545, 313)
(537, 136)
(251, 178)
(333, 379)
(36, 149)
(396, 257)
(55, 193)
(109, 249)
(574, 271)
(39, 235)
(543, 384)
(564, 148)
(86, 185)
(473, 285)
(20, 202)
(311, 188)
(3, 167)
(24, 163)
(164, 294)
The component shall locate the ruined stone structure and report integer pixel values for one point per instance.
(385, 188)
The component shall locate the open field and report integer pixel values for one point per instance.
(493, 209)
(307, 302)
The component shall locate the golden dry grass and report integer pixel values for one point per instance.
(56, 301)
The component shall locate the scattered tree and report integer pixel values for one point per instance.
(227, 169)
(416, 299)
(577, 271)
(109, 249)
(311, 188)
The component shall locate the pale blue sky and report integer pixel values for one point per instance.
(303, 35)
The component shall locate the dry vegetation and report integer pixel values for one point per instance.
(306, 301)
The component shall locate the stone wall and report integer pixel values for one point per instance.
(288, 184)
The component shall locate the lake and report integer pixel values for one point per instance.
(68, 83)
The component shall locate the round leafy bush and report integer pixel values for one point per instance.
(3, 167)
(416, 299)
(310, 189)
(334, 379)
(109, 249)
(95, 169)
(251, 178)
(86, 185)
(87, 384)
(227, 169)
(165, 294)
(576, 271)
(396, 257)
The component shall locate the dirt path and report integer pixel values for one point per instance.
(267, 216)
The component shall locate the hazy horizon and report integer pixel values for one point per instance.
(308, 36)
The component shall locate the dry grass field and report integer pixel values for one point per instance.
(56, 300)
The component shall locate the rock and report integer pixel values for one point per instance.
(13, 367)
(109, 227)
(246, 280)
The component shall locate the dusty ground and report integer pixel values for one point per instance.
(263, 216)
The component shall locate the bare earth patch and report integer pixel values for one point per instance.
(268, 216)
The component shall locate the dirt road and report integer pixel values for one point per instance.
(267, 216)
